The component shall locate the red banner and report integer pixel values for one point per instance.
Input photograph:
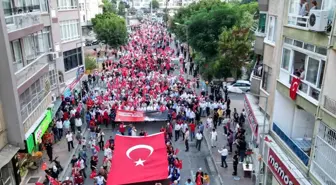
(130, 116)
(279, 170)
(252, 120)
(294, 87)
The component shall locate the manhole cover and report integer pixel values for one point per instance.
(33, 180)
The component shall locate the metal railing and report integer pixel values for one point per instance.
(23, 9)
(330, 105)
(298, 21)
(31, 69)
(21, 21)
(34, 109)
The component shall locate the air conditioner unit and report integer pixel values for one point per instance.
(318, 20)
(54, 56)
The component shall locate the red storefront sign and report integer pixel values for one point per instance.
(250, 117)
(280, 171)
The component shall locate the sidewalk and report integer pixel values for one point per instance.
(225, 174)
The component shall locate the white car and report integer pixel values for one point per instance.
(239, 86)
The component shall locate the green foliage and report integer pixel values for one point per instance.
(109, 6)
(121, 9)
(205, 27)
(90, 63)
(110, 29)
(156, 4)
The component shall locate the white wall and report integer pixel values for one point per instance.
(283, 113)
(303, 124)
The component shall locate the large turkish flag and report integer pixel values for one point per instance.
(294, 87)
(138, 159)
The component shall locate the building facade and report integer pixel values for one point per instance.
(88, 10)
(41, 54)
(302, 125)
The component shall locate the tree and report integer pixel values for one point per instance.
(154, 4)
(205, 27)
(109, 6)
(121, 9)
(90, 63)
(110, 29)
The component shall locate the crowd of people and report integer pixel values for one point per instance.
(143, 76)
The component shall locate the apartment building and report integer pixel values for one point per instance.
(171, 4)
(301, 145)
(41, 54)
(88, 10)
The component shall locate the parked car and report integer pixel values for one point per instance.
(239, 86)
(91, 42)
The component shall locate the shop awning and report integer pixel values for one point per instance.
(7, 153)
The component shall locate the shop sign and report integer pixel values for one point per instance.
(280, 171)
(43, 127)
(250, 116)
(30, 143)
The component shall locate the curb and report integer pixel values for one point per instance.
(211, 158)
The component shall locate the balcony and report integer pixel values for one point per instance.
(263, 5)
(22, 21)
(259, 43)
(300, 146)
(38, 65)
(298, 21)
(30, 113)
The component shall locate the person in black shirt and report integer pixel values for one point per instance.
(73, 160)
(49, 149)
(235, 163)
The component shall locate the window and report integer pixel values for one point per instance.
(81, 6)
(17, 55)
(67, 4)
(271, 28)
(266, 78)
(52, 78)
(44, 6)
(262, 23)
(69, 30)
(286, 57)
(312, 70)
(36, 44)
(72, 59)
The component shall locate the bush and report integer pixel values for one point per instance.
(90, 63)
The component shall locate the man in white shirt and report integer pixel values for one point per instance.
(59, 126)
(78, 124)
(184, 128)
(69, 138)
(177, 129)
(213, 138)
(199, 138)
(186, 140)
(224, 152)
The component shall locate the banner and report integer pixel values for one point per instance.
(139, 116)
(129, 116)
(156, 116)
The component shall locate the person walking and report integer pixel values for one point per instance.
(235, 163)
(186, 139)
(101, 139)
(177, 131)
(78, 123)
(230, 140)
(184, 128)
(199, 138)
(224, 152)
(69, 138)
(59, 126)
(213, 138)
(192, 130)
(49, 149)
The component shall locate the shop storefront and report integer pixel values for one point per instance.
(279, 169)
(35, 139)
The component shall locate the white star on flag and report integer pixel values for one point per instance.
(139, 162)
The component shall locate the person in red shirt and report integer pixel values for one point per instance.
(192, 130)
(105, 117)
(122, 129)
(79, 180)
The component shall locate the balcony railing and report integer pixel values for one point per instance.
(30, 114)
(291, 144)
(22, 21)
(31, 69)
(312, 93)
(23, 9)
(298, 21)
(330, 105)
